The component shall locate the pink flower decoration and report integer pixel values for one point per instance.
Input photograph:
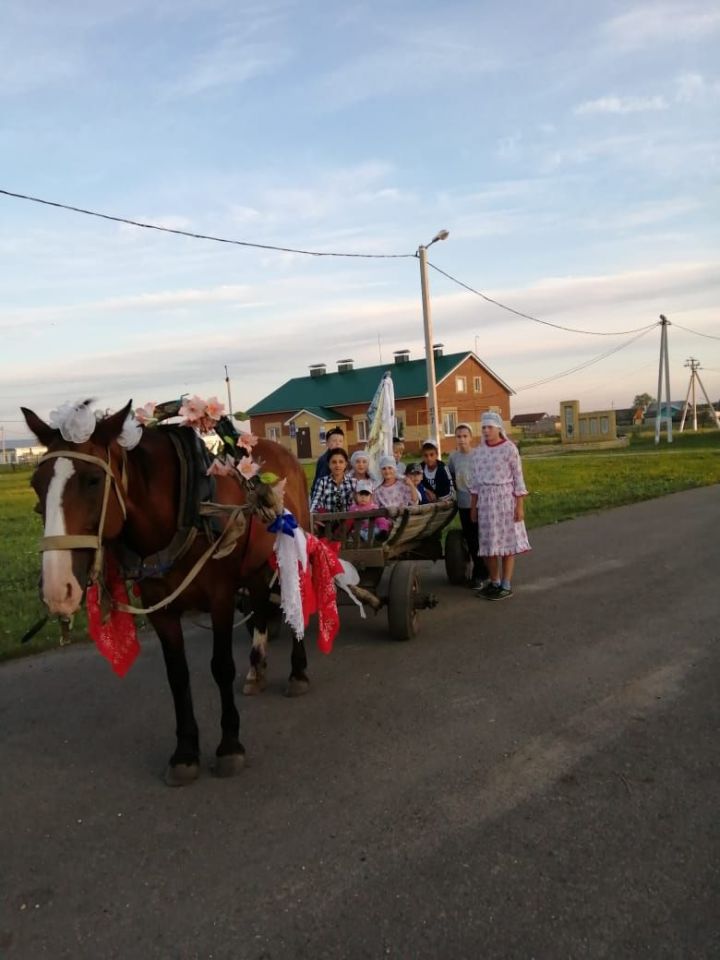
(218, 469)
(248, 440)
(247, 467)
(193, 409)
(214, 408)
(145, 413)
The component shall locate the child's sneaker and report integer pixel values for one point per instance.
(489, 590)
(500, 593)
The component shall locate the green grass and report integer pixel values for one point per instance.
(561, 487)
(567, 486)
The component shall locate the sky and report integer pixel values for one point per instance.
(572, 151)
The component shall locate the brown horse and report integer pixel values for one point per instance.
(129, 499)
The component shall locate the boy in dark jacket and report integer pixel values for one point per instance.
(436, 477)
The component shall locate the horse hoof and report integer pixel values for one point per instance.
(297, 687)
(253, 687)
(181, 774)
(230, 765)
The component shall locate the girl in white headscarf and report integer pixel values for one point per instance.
(395, 491)
(359, 466)
(497, 489)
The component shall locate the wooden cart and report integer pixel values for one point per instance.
(387, 563)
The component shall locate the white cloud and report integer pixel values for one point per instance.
(613, 104)
(231, 63)
(302, 332)
(642, 214)
(405, 59)
(662, 23)
(694, 88)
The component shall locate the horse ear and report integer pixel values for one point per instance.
(43, 431)
(110, 428)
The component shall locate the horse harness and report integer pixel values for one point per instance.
(183, 539)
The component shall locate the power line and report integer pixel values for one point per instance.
(204, 236)
(528, 316)
(709, 336)
(586, 363)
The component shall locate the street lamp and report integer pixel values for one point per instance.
(427, 325)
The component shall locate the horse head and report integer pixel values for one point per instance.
(81, 500)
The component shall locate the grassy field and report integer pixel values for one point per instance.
(561, 487)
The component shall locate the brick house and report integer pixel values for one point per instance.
(300, 412)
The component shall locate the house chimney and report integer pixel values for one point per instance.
(317, 370)
(437, 350)
(401, 356)
(344, 366)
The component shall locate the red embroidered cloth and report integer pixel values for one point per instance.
(117, 638)
(318, 589)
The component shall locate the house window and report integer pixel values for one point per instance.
(477, 384)
(449, 422)
(604, 425)
(460, 384)
(273, 431)
(400, 422)
(583, 427)
(593, 426)
(361, 430)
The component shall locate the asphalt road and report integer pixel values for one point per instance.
(535, 778)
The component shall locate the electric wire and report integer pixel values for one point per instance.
(697, 333)
(528, 316)
(205, 236)
(586, 363)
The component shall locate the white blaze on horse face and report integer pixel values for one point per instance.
(61, 591)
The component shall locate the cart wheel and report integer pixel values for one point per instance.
(457, 558)
(403, 592)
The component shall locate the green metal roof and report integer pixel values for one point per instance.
(322, 413)
(355, 386)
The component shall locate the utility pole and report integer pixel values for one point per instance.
(227, 384)
(694, 366)
(427, 325)
(663, 373)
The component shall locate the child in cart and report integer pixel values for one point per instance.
(365, 500)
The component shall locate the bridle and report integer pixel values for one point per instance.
(77, 541)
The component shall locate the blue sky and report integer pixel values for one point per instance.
(572, 151)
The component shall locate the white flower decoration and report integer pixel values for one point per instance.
(75, 421)
(131, 434)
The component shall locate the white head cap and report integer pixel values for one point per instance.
(492, 419)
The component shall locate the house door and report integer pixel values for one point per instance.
(304, 445)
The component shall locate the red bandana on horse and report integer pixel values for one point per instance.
(116, 638)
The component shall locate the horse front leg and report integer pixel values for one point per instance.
(298, 681)
(184, 765)
(255, 681)
(230, 754)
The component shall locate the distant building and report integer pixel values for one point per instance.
(676, 407)
(536, 424)
(596, 426)
(628, 416)
(301, 411)
(21, 451)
